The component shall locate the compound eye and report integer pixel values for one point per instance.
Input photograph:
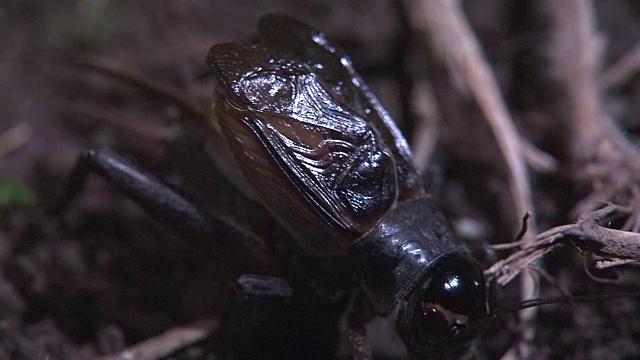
(434, 322)
(450, 308)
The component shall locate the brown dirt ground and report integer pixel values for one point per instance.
(104, 276)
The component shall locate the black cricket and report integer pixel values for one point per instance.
(295, 127)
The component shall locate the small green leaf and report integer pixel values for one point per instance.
(13, 193)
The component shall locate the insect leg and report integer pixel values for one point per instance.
(267, 318)
(263, 287)
(159, 200)
(251, 322)
(360, 313)
(165, 204)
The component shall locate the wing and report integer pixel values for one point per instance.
(335, 67)
(309, 141)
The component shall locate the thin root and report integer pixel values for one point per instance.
(167, 343)
(14, 138)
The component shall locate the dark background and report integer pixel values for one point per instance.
(104, 276)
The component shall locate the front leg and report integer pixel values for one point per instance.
(360, 313)
(268, 318)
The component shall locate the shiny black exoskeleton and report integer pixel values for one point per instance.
(411, 261)
(296, 128)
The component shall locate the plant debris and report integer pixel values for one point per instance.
(513, 107)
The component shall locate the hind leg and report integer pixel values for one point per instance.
(162, 202)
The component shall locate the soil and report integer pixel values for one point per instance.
(102, 276)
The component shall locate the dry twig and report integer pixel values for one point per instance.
(622, 70)
(538, 160)
(444, 22)
(166, 343)
(13, 138)
(587, 234)
(193, 103)
(426, 133)
(607, 162)
(124, 122)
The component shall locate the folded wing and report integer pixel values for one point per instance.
(309, 136)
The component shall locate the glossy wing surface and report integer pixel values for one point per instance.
(336, 69)
(312, 145)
